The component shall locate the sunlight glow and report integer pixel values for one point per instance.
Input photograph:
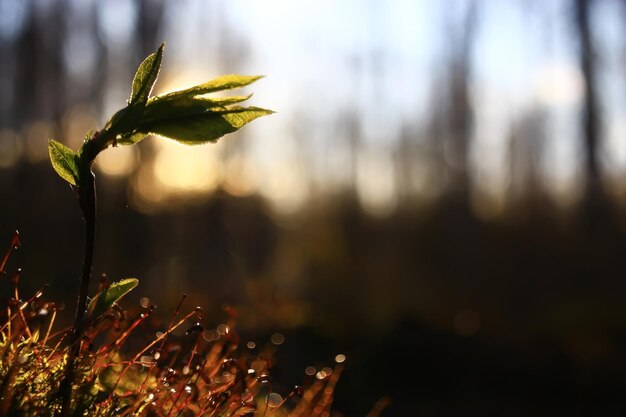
(559, 84)
(376, 183)
(36, 141)
(75, 123)
(10, 148)
(286, 188)
(240, 176)
(119, 161)
(179, 168)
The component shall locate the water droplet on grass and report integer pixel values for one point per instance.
(147, 361)
(274, 399)
(196, 328)
(210, 335)
(144, 302)
(277, 339)
(247, 397)
(264, 379)
(223, 329)
(15, 240)
(297, 390)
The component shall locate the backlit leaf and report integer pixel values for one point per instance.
(109, 296)
(224, 82)
(174, 107)
(64, 161)
(131, 139)
(146, 76)
(204, 127)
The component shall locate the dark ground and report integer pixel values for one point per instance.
(436, 310)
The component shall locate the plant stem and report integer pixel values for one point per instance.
(87, 203)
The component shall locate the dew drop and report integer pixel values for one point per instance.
(188, 388)
(310, 370)
(340, 358)
(16, 276)
(298, 390)
(196, 328)
(264, 379)
(247, 397)
(186, 370)
(223, 329)
(274, 399)
(250, 345)
(320, 375)
(157, 355)
(277, 339)
(147, 361)
(15, 241)
(259, 365)
(210, 335)
(144, 302)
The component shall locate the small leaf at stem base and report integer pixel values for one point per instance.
(109, 296)
(64, 161)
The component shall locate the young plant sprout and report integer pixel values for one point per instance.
(187, 116)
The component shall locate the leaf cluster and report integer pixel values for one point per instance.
(188, 116)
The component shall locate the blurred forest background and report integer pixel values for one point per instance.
(440, 196)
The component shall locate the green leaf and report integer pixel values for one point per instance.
(204, 127)
(224, 82)
(145, 77)
(109, 296)
(175, 107)
(132, 138)
(64, 161)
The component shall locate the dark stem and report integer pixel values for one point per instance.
(87, 202)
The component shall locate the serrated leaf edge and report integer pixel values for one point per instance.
(154, 60)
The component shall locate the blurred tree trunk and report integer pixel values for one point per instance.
(595, 202)
(149, 22)
(460, 110)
